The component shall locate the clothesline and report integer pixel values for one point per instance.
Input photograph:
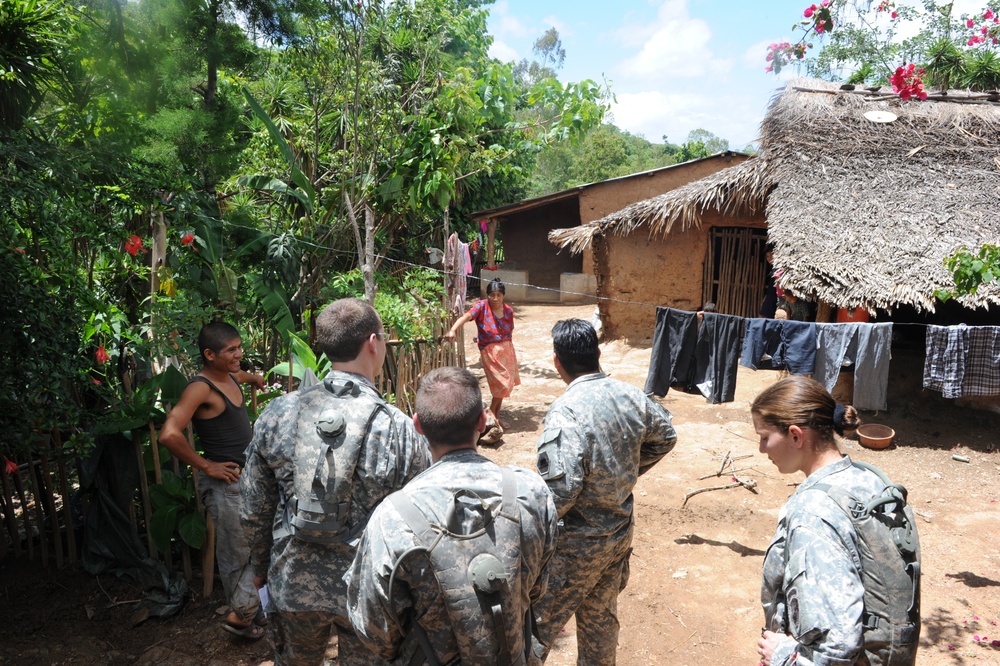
(597, 298)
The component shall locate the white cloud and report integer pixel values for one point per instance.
(654, 114)
(561, 26)
(503, 52)
(506, 24)
(673, 46)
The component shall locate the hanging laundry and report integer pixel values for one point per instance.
(865, 347)
(455, 274)
(695, 358)
(780, 344)
(962, 360)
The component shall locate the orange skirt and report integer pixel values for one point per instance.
(500, 366)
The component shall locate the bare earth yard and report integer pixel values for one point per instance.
(693, 597)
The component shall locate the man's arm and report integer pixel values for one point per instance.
(368, 595)
(660, 436)
(172, 435)
(561, 451)
(259, 495)
(244, 377)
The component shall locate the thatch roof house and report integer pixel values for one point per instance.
(863, 194)
(525, 225)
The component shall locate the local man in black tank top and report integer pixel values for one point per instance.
(214, 404)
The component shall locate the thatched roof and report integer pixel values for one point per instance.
(861, 213)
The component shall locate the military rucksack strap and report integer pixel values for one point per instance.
(415, 520)
(508, 497)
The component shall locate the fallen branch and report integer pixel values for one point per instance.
(749, 484)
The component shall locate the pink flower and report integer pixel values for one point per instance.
(952, 648)
(20, 250)
(809, 11)
(187, 239)
(133, 245)
(96, 380)
(995, 644)
(819, 27)
(975, 637)
(988, 14)
(895, 15)
(970, 24)
(102, 355)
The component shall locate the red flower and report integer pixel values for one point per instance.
(20, 250)
(809, 11)
(187, 239)
(102, 355)
(895, 15)
(133, 245)
(96, 380)
(988, 14)
(10, 466)
(970, 23)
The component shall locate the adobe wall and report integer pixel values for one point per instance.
(602, 199)
(654, 272)
(527, 248)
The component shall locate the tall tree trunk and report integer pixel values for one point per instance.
(368, 267)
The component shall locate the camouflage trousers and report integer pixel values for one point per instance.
(585, 577)
(303, 638)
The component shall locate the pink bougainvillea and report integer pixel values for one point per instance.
(907, 82)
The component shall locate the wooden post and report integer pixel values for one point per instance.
(491, 255)
(43, 541)
(9, 518)
(147, 507)
(50, 500)
(155, 450)
(67, 505)
(25, 512)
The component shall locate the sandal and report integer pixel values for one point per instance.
(251, 632)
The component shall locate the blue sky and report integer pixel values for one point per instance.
(674, 65)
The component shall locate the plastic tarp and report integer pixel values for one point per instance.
(109, 478)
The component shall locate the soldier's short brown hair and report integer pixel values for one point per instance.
(449, 404)
(343, 326)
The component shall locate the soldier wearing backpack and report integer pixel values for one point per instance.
(320, 460)
(448, 567)
(841, 580)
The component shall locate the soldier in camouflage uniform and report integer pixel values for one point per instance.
(305, 580)
(452, 493)
(598, 438)
(812, 590)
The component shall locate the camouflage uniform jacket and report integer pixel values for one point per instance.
(599, 437)
(308, 576)
(388, 536)
(812, 587)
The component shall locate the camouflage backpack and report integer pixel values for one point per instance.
(890, 571)
(334, 420)
(478, 575)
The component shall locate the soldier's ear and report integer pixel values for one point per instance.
(796, 434)
(481, 423)
(416, 423)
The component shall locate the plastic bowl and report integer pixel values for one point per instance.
(875, 436)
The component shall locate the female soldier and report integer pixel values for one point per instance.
(812, 590)
(495, 326)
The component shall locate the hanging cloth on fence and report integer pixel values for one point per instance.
(963, 360)
(696, 359)
(780, 344)
(455, 272)
(109, 477)
(866, 347)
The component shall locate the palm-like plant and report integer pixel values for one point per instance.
(31, 34)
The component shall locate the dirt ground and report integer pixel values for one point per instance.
(693, 597)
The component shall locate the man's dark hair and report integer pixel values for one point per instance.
(449, 404)
(343, 326)
(575, 344)
(215, 336)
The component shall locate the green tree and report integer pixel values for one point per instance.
(549, 58)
